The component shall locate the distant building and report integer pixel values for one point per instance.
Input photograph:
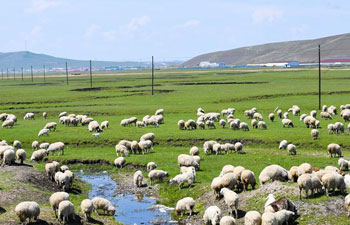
(336, 62)
(282, 64)
(208, 64)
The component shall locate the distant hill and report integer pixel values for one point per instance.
(26, 59)
(337, 46)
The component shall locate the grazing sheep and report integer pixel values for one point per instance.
(304, 183)
(145, 146)
(208, 146)
(29, 116)
(51, 126)
(104, 205)
(292, 149)
(227, 220)
(217, 148)
(281, 203)
(119, 162)
(45, 115)
(140, 124)
(62, 114)
(27, 210)
(157, 174)
(8, 123)
(302, 117)
(332, 180)
(194, 150)
(252, 218)
(64, 168)
(212, 215)
(287, 122)
(248, 178)
(138, 178)
(44, 145)
(314, 133)
(279, 113)
(55, 147)
(9, 157)
(87, 207)
(38, 155)
(243, 126)
(35, 145)
(65, 210)
(181, 124)
(273, 172)
(63, 181)
(222, 123)
(104, 125)
(325, 115)
(201, 125)
(304, 168)
(257, 116)
(254, 123)
(94, 126)
(21, 155)
(3, 149)
(187, 160)
(271, 117)
(339, 127)
(226, 169)
(238, 147)
(230, 181)
(270, 198)
(56, 198)
(43, 132)
(70, 175)
(313, 113)
(285, 115)
(334, 149)
(347, 204)
(148, 136)
(51, 169)
(262, 125)
(151, 166)
(190, 125)
(185, 204)
(231, 199)
(121, 149)
(283, 216)
(283, 145)
(316, 184)
(17, 144)
(210, 124)
(216, 185)
(293, 173)
(343, 164)
(268, 218)
(183, 178)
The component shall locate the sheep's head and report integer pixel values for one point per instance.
(111, 210)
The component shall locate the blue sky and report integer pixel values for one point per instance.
(178, 29)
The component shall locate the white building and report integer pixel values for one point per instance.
(208, 64)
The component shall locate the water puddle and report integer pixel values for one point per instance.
(131, 209)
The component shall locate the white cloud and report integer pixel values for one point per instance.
(189, 23)
(38, 6)
(262, 15)
(136, 23)
(91, 30)
(110, 35)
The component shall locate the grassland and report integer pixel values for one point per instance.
(180, 93)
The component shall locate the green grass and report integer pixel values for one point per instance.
(180, 93)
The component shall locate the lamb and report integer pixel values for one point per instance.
(29, 116)
(103, 204)
(283, 216)
(347, 204)
(281, 203)
(104, 125)
(304, 168)
(148, 136)
(287, 122)
(187, 160)
(9, 157)
(194, 151)
(271, 117)
(138, 178)
(45, 115)
(17, 144)
(181, 124)
(38, 155)
(55, 147)
(262, 125)
(8, 123)
(56, 198)
(252, 218)
(304, 182)
(283, 145)
(216, 185)
(183, 178)
(87, 207)
(243, 126)
(227, 220)
(43, 132)
(151, 166)
(157, 174)
(334, 149)
(270, 199)
(119, 162)
(21, 155)
(35, 145)
(27, 210)
(231, 199)
(65, 210)
(222, 123)
(273, 172)
(343, 164)
(332, 181)
(314, 133)
(292, 150)
(51, 126)
(248, 178)
(185, 204)
(212, 215)
(94, 126)
(268, 218)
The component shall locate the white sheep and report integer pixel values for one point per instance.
(70, 175)
(279, 113)
(56, 198)
(343, 164)
(331, 128)
(151, 166)
(248, 178)
(226, 169)
(35, 145)
(273, 172)
(119, 162)
(104, 125)
(194, 150)
(334, 149)
(332, 180)
(227, 220)
(138, 177)
(55, 147)
(64, 168)
(287, 122)
(27, 210)
(252, 218)
(51, 126)
(304, 183)
(268, 218)
(222, 123)
(63, 181)
(21, 155)
(187, 160)
(210, 124)
(9, 157)
(29, 116)
(66, 210)
(87, 207)
(292, 149)
(216, 185)
(314, 133)
(8, 123)
(45, 115)
(44, 145)
(231, 199)
(271, 117)
(283, 216)
(270, 198)
(347, 204)
(254, 123)
(244, 126)
(103, 204)
(262, 125)
(148, 136)
(217, 148)
(183, 178)
(145, 146)
(212, 215)
(43, 132)
(283, 144)
(304, 168)
(302, 117)
(51, 169)
(38, 155)
(94, 126)
(121, 149)
(181, 124)
(157, 174)
(17, 144)
(185, 204)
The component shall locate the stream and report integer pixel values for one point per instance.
(130, 209)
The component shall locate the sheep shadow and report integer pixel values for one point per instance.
(22, 165)
(93, 221)
(39, 222)
(240, 213)
(75, 191)
(2, 210)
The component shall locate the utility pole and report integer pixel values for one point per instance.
(67, 72)
(319, 77)
(90, 75)
(31, 72)
(44, 75)
(14, 73)
(152, 75)
(22, 73)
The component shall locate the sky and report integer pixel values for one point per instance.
(117, 30)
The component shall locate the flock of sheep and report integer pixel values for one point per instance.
(231, 179)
